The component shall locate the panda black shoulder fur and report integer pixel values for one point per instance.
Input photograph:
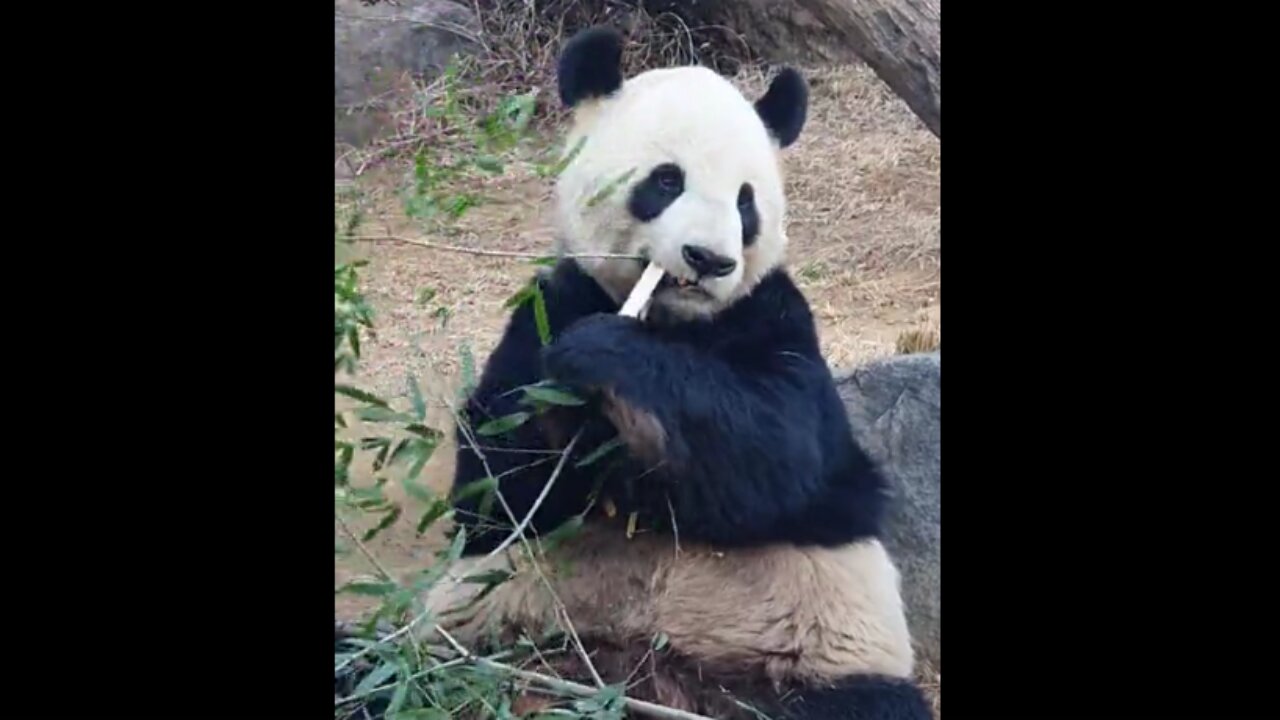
(757, 554)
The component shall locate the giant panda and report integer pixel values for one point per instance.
(727, 552)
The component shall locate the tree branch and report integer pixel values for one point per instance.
(476, 251)
(902, 42)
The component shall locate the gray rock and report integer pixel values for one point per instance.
(895, 406)
(376, 47)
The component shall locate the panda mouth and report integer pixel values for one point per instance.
(671, 282)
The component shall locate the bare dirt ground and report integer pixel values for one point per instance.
(865, 211)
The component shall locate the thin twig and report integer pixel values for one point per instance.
(537, 502)
(537, 653)
(487, 253)
(567, 686)
(573, 632)
(364, 550)
(562, 611)
(523, 451)
(675, 528)
(648, 654)
(526, 466)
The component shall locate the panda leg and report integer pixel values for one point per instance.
(861, 698)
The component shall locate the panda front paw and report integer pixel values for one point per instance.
(592, 352)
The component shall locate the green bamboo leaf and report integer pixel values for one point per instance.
(504, 424)
(361, 395)
(345, 452)
(491, 577)
(417, 491)
(424, 432)
(604, 192)
(400, 452)
(552, 396)
(382, 445)
(522, 296)
(558, 167)
(372, 506)
(418, 449)
(435, 512)
(565, 531)
(475, 487)
(373, 588)
(390, 517)
(459, 542)
(415, 397)
(604, 449)
(486, 503)
(366, 494)
(422, 714)
(380, 675)
(540, 315)
(422, 452)
(607, 702)
(380, 414)
(400, 695)
(486, 487)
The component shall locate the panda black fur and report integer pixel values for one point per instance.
(758, 555)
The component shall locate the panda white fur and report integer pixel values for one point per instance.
(756, 553)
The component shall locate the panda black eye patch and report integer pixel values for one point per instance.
(656, 192)
(750, 216)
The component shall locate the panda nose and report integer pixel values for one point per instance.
(705, 262)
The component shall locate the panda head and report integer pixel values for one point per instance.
(677, 166)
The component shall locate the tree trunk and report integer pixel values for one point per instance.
(902, 42)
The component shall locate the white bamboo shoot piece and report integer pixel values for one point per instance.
(642, 292)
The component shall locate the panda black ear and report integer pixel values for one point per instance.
(785, 106)
(590, 65)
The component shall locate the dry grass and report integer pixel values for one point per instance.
(918, 341)
(931, 682)
(864, 191)
(518, 45)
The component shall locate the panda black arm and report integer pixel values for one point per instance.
(519, 458)
(756, 443)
